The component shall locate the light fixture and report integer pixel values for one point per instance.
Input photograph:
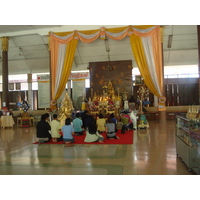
(170, 41)
(108, 67)
(107, 45)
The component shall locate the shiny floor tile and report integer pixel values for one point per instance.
(153, 152)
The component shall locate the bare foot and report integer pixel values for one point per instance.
(68, 144)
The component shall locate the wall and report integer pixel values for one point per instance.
(120, 76)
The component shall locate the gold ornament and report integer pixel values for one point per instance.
(5, 43)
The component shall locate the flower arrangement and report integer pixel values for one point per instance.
(111, 105)
(94, 105)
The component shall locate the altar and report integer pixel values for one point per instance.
(106, 103)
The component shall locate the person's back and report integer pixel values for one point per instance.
(125, 120)
(101, 123)
(68, 131)
(91, 134)
(110, 129)
(55, 126)
(88, 121)
(92, 127)
(84, 116)
(77, 123)
(43, 128)
(55, 129)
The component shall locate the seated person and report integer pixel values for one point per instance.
(92, 134)
(87, 121)
(84, 116)
(55, 129)
(125, 120)
(43, 129)
(101, 124)
(78, 124)
(1, 113)
(110, 129)
(68, 132)
(114, 120)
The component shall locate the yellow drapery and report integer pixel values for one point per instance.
(70, 52)
(69, 57)
(138, 52)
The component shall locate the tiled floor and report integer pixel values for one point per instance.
(153, 152)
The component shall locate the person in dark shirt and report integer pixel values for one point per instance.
(84, 116)
(1, 113)
(88, 121)
(43, 129)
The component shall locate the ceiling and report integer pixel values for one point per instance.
(28, 47)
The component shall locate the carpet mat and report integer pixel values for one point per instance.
(126, 138)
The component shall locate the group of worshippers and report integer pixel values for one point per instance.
(47, 131)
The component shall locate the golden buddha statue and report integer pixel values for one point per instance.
(65, 109)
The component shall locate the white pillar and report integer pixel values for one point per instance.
(30, 92)
(155, 101)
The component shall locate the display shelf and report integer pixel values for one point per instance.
(188, 142)
(197, 169)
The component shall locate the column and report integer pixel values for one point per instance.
(162, 114)
(5, 94)
(69, 85)
(30, 92)
(155, 101)
(49, 49)
(198, 35)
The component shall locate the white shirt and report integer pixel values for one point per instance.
(55, 126)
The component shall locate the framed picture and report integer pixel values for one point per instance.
(138, 80)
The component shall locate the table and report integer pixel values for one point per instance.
(30, 121)
(7, 121)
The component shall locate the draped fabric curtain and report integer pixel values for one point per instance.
(147, 53)
(62, 56)
(146, 47)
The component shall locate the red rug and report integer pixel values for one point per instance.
(126, 138)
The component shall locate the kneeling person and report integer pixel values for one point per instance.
(68, 131)
(78, 124)
(110, 129)
(92, 134)
(55, 129)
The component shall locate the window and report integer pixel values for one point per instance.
(181, 71)
(34, 85)
(24, 86)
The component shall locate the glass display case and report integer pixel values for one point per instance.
(188, 142)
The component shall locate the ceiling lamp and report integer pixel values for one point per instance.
(170, 41)
(108, 67)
